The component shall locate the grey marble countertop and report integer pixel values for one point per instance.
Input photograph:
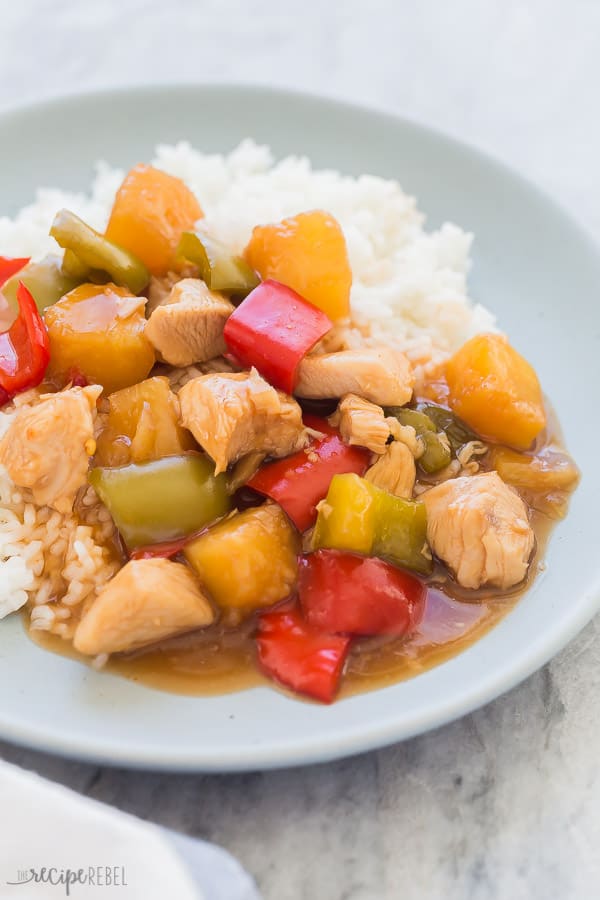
(504, 803)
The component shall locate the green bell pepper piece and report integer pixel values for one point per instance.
(162, 500)
(437, 453)
(94, 251)
(359, 517)
(221, 270)
(401, 535)
(457, 432)
(417, 420)
(45, 280)
(74, 268)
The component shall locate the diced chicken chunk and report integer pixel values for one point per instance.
(382, 375)
(231, 415)
(478, 526)
(362, 422)
(146, 601)
(159, 289)
(188, 327)
(406, 434)
(48, 445)
(395, 471)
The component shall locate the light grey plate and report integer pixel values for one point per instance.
(533, 267)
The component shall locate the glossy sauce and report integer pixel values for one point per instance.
(218, 660)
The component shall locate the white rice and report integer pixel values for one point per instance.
(409, 287)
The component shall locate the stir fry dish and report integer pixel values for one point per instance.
(208, 452)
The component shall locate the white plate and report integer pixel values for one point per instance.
(533, 267)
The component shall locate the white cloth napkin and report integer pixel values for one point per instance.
(50, 835)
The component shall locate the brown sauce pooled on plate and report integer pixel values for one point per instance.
(220, 661)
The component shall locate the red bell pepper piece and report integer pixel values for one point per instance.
(8, 267)
(24, 348)
(273, 329)
(343, 592)
(299, 656)
(300, 481)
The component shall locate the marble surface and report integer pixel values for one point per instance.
(504, 803)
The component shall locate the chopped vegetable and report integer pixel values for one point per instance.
(549, 470)
(98, 253)
(44, 279)
(143, 424)
(406, 416)
(150, 213)
(445, 420)
(74, 268)
(307, 253)
(248, 561)
(162, 500)
(341, 592)
(9, 267)
(347, 517)
(99, 330)
(273, 329)
(437, 453)
(361, 518)
(220, 269)
(301, 657)
(300, 481)
(24, 349)
(401, 532)
(495, 390)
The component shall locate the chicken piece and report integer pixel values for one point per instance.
(362, 422)
(382, 375)
(343, 336)
(47, 446)
(146, 601)
(395, 471)
(231, 415)
(188, 327)
(159, 288)
(478, 526)
(406, 434)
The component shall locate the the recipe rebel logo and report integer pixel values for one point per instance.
(67, 879)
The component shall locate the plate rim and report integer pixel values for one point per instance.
(385, 731)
